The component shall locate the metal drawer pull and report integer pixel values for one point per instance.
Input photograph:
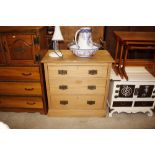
(62, 72)
(90, 102)
(30, 103)
(92, 72)
(92, 87)
(64, 102)
(63, 87)
(26, 74)
(29, 89)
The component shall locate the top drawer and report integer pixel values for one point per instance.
(77, 71)
(19, 73)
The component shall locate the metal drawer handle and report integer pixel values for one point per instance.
(30, 103)
(92, 72)
(92, 87)
(64, 102)
(29, 89)
(26, 74)
(90, 102)
(63, 87)
(62, 72)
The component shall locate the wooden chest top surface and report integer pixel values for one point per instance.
(101, 56)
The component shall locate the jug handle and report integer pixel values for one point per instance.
(75, 38)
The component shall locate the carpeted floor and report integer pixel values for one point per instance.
(38, 121)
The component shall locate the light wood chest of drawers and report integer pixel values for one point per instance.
(77, 86)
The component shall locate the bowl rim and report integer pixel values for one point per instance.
(96, 45)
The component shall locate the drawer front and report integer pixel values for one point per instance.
(77, 102)
(20, 102)
(143, 103)
(77, 71)
(77, 86)
(20, 88)
(19, 73)
(122, 103)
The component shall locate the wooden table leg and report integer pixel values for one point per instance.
(124, 63)
(120, 62)
(115, 66)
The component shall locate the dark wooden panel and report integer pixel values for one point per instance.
(2, 56)
(19, 48)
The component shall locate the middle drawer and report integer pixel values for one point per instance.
(77, 86)
(20, 88)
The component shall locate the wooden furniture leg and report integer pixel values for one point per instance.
(124, 63)
(115, 66)
(120, 62)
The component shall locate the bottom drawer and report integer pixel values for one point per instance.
(122, 103)
(20, 102)
(143, 104)
(86, 102)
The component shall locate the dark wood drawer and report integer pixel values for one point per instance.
(20, 88)
(19, 73)
(20, 102)
(143, 104)
(122, 104)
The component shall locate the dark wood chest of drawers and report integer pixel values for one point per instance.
(21, 75)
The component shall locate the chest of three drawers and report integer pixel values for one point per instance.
(20, 89)
(77, 89)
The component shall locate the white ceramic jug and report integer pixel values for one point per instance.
(83, 38)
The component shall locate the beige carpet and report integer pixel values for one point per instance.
(38, 121)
